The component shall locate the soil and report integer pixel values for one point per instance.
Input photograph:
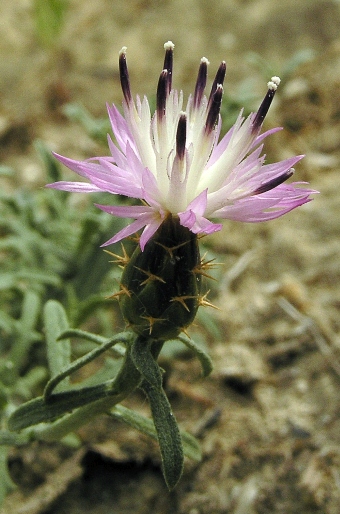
(268, 416)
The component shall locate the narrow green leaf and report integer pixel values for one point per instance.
(39, 411)
(25, 327)
(58, 353)
(30, 310)
(191, 447)
(168, 434)
(144, 361)
(202, 356)
(115, 390)
(79, 363)
(123, 337)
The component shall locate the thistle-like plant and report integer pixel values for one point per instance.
(183, 177)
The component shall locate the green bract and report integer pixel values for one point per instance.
(160, 287)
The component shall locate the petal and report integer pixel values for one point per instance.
(266, 206)
(115, 180)
(193, 219)
(82, 168)
(198, 224)
(150, 191)
(126, 211)
(199, 204)
(127, 231)
(118, 157)
(187, 219)
(74, 187)
(261, 137)
(144, 216)
(149, 231)
(120, 128)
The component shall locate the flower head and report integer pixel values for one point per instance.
(174, 162)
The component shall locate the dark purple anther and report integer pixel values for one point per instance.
(162, 93)
(124, 76)
(201, 82)
(181, 136)
(214, 107)
(168, 62)
(219, 79)
(274, 182)
(266, 103)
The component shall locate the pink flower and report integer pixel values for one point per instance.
(173, 162)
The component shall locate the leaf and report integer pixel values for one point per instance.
(125, 337)
(191, 447)
(39, 411)
(58, 353)
(111, 392)
(202, 356)
(168, 434)
(144, 361)
(82, 361)
(26, 335)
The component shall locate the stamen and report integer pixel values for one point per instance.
(219, 79)
(214, 109)
(271, 184)
(162, 93)
(201, 82)
(181, 136)
(124, 75)
(168, 61)
(264, 107)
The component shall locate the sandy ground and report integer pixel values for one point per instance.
(268, 417)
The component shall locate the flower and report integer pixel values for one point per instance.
(173, 162)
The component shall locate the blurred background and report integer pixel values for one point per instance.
(268, 417)
(64, 51)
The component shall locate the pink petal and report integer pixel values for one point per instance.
(74, 187)
(120, 128)
(149, 231)
(126, 211)
(193, 219)
(199, 204)
(127, 231)
(261, 137)
(266, 206)
(83, 168)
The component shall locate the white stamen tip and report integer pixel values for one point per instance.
(123, 51)
(169, 45)
(276, 80)
(205, 60)
(274, 83)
